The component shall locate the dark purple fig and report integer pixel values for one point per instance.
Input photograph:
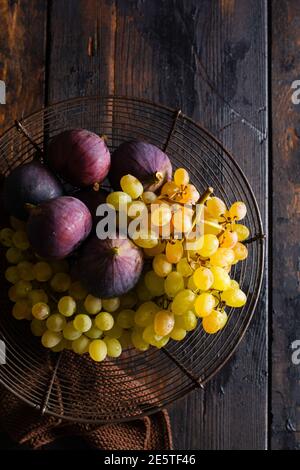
(31, 183)
(144, 161)
(57, 227)
(79, 156)
(92, 198)
(110, 267)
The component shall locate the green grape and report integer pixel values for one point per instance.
(17, 224)
(23, 288)
(111, 305)
(183, 301)
(156, 250)
(210, 245)
(142, 292)
(56, 322)
(154, 283)
(118, 199)
(82, 323)
(94, 332)
(146, 239)
(191, 284)
(161, 214)
(77, 291)
(92, 304)
(66, 306)
(234, 297)
(98, 350)
(25, 270)
(63, 344)
(138, 341)
(163, 322)
(178, 334)
(203, 278)
(104, 321)
(145, 313)
(60, 282)
(174, 251)
(214, 322)
(20, 240)
(81, 345)
(204, 304)
(216, 207)
(150, 337)
(240, 252)
(238, 211)
(181, 177)
(6, 237)
(22, 310)
(234, 284)
(50, 339)
(136, 209)
(12, 294)
(228, 239)
(128, 300)
(42, 271)
(188, 321)
(40, 311)
(149, 197)
(184, 268)
(222, 257)
(114, 348)
(132, 186)
(70, 332)
(59, 266)
(37, 295)
(125, 339)
(38, 327)
(115, 332)
(221, 278)
(161, 266)
(242, 231)
(174, 283)
(14, 255)
(161, 343)
(12, 275)
(125, 318)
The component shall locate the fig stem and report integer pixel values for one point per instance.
(22, 129)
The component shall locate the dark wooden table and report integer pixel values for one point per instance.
(229, 64)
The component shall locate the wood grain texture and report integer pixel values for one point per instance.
(286, 228)
(22, 57)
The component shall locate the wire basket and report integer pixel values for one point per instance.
(136, 384)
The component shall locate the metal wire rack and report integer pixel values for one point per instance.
(136, 384)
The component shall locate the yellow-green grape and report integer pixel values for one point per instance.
(50, 339)
(216, 207)
(132, 186)
(114, 348)
(182, 220)
(17, 224)
(149, 197)
(59, 266)
(156, 250)
(184, 267)
(66, 306)
(181, 177)
(56, 322)
(161, 266)
(20, 240)
(125, 318)
(111, 305)
(63, 344)
(147, 239)
(214, 322)
(82, 323)
(183, 301)
(128, 300)
(143, 292)
(25, 270)
(136, 209)
(94, 332)
(162, 342)
(77, 291)
(81, 345)
(240, 252)
(60, 282)
(178, 334)
(42, 271)
(40, 311)
(98, 350)
(104, 321)
(37, 295)
(174, 251)
(174, 283)
(6, 237)
(234, 284)
(138, 341)
(238, 211)
(203, 278)
(191, 284)
(22, 310)
(12, 294)
(23, 288)
(92, 304)
(145, 313)
(12, 274)
(163, 322)
(234, 297)
(188, 321)
(154, 283)
(170, 189)
(14, 255)
(204, 304)
(38, 327)
(210, 245)
(190, 195)
(228, 239)
(150, 336)
(221, 278)
(115, 332)
(161, 214)
(125, 339)
(242, 231)
(222, 257)
(70, 332)
(118, 199)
